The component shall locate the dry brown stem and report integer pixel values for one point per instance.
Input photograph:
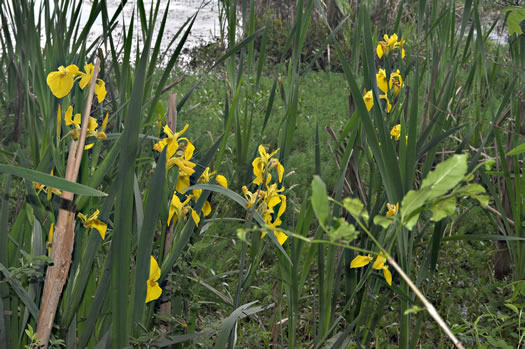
(429, 307)
(165, 308)
(64, 234)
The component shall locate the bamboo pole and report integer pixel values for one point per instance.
(64, 234)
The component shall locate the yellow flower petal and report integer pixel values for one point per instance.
(379, 50)
(73, 69)
(206, 208)
(100, 90)
(387, 275)
(60, 82)
(154, 270)
(379, 263)
(182, 183)
(100, 226)
(175, 207)
(86, 77)
(369, 100)
(360, 261)
(195, 217)
(280, 171)
(281, 237)
(153, 290)
(68, 116)
(222, 181)
(381, 80)
(105, 123)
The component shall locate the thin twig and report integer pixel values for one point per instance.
(430, 308)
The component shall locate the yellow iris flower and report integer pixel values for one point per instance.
(92, 222)
(369, 99)
(391, 43)
(396, 132)
(272, 199)
(266, 163)
(396, 81)
(392, 209)
(379, 264)
(179, 209)
(252, 198)
(179, 153)
(76, 121)
(171, 141)
(153, 290)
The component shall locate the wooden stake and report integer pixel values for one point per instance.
(64, 235)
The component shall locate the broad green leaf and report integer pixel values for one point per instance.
(443, 208)
(356, 208)
(514, 20)
(471, 189)
(320, 201)
(412, 205)
(383, 221)
(446, 175)
(50, 181)
(518, 150)
(343, 230)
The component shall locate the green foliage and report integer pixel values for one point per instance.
(514, 19)
(458, 151)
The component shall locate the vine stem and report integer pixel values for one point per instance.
(64, 234)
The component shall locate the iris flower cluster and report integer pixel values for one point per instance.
(385, 83)
(266, 201)
(179, 153)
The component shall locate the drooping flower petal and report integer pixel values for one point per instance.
(206, 208)
(100, 226)
(379, 263)
(379, 50)
(388, 276)
(360, 261)
(100, 90)
(153, 290)
(195, 217)
(222, 181)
